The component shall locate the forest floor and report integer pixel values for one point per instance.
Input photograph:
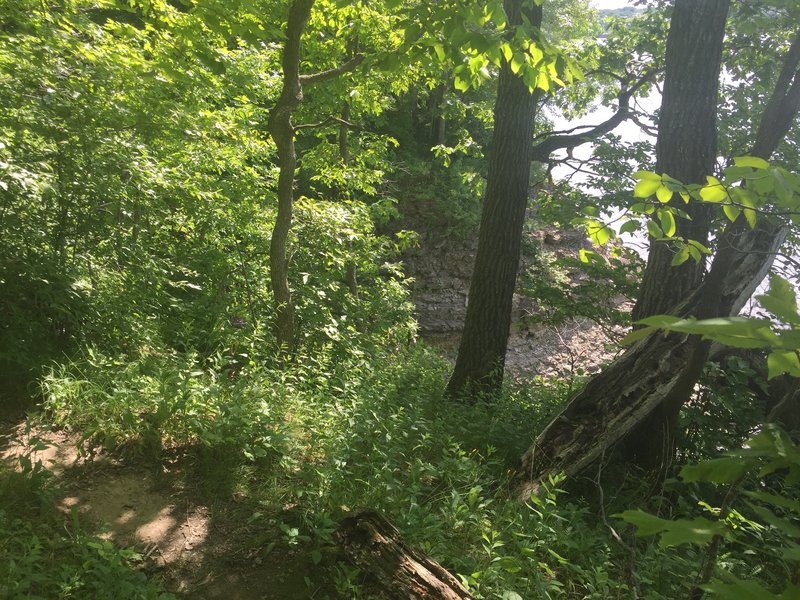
(200, 545)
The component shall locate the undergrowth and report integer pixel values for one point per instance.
(46, 555)
(370, 431)
(302, 447)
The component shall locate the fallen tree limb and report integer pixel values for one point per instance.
(371, 543)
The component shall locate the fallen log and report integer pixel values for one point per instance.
(397, 572)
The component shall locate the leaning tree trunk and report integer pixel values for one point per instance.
(482, 351)
(660, 369)
(395, 570)
(664, 369)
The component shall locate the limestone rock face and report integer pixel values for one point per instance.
(441, 266)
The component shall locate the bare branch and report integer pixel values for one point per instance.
(334, 119)
(332, 73)
(542, 151)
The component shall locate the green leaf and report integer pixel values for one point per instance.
(646, 188)
(780, 362)
(731, 211)
(718, 470)
(781, 501)
(681, 256)
(785, 526)
(507, 51)
(589, 256)
(692, 531)
(509, 595)
(646, 524)
(629, 226)
(664, 194)
(461, 84)
(750, 161)
(667, 222)
(714, 191)
(674, 533)
(654, 230)
(699, 246)
(749, 590)
(750, 215)
(780, 300)
(599, 233)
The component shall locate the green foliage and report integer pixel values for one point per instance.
(169, 399)
(778, 335)
(769, 512)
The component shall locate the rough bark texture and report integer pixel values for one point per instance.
(782, 107)
(481, 354)
(657, 370)
(662, 370)
(397, 572)
(686, 148)
(282, 131)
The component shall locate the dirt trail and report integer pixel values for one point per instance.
(199, 549)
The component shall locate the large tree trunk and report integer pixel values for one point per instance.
(396, 571)
(481, 354)
(662, 370)
(686, 148)
(282, 131)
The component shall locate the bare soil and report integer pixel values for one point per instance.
(201, 549)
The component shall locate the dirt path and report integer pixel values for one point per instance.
(200, 549)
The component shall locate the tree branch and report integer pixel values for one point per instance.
(783, 105)
(332, 73)
(541, 152)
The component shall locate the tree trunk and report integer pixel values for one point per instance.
(397, 572)
(438, 122)
(344, 128)
(654, 371)
(661, 369)
(653, 441)
(482, 351)
(282, 131)
(686, 148)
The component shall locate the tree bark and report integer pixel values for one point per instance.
(662, 370)
(482, 351)
(282, 132)
(686, 148)
(397, 572)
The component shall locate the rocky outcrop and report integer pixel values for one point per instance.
(441, 266)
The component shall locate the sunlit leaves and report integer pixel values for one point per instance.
(647, 185)
(674, 533)
(752, 162)
(598, 232)
(667, 220)
(780, 300)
